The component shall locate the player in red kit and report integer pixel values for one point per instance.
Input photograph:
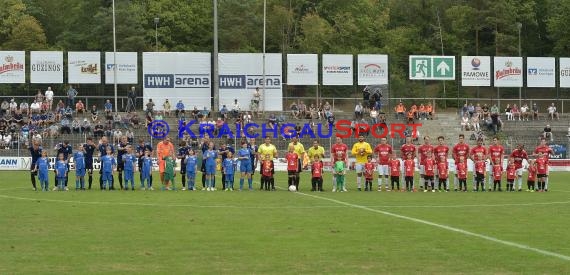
(423, 151)
(461, 173)
(519, 154)
(546, 151)
(542, 171)
(511, 175)
(461, 149)
(292, 165)
(441, 150)
(394, 165)
(339, 151)
(496, 152)
(497, 170)
(383, 151)
(442, 173)
(479, 169)
(478, 153)
(317, 173)
(267, 172)
(409, 170)
(368, 174)
(429, 172)
(531, 180)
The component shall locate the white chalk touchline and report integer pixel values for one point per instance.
(449, 228)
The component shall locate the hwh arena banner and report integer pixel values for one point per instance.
(540, 72)
(476, 71)
(508, 71)
(127, 68)
(46, 67)
(84, 67)
(12, 67)
(241, 73)
(177, 76)
(564, 72)
(337, 69)
(302, 69)
(372, 69)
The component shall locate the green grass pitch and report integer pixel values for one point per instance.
(282, 232)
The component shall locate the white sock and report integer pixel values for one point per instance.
(387, 182)
(519, 179)
(334, 181)
(546, 183)
(379, 181)
(359, 181)
(455, 182)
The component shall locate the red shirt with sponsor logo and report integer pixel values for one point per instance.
(409, 167)
(480, 166)
(423, 152)
(317, 169)
(442, 170)
(546, 150)
(429, 167)
(460, 149)
(496, 151)
(497, 171)
(519, 155)
(532, 173)
(267, 168)
(511, 171)
(475, 152)
(292, 162)
(394, 167)
(383, 151)
(369, 170)
(342, 148)
(542, 165)
(439, 151)
(461, 170)
(406, 149)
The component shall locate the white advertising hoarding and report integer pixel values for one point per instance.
(12, 67)
(241, 73)
(46, 67)
(177, 76)
(372, 69)
(127, 68)
(508, 71)
(337, 69)
(302, 69)
(83, 67)
(476, 71)
(564, 72)
(540, 72)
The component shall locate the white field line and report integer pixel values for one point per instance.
(442, 226)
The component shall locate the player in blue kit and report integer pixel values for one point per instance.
(79, 160)
(65, 149)
(129, 163)
(42, 168)
(61, 172)
(191, 168)
(108, 165)
(245, 166)
(210, 157)
(141, 149)
(228, 167)
(145, 167)
(102, 148)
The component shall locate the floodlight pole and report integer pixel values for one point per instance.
(115, 58)
(519, 26)
(156, 21)
(215, 60)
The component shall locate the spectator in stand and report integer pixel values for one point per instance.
(76, 126)
(166, 108)
(552, 113)
(135, 120)
(85, 126)
(429, 111)
(149, 110)
(68, 113)
(7, 139)
(179, 109)
(79, 107)
(411, 116)
(247, 117)
(547, 133)
(13, 106)
(272, 121)
(118, 121)
(65, 126)
(400, 110)
(35, 107)
(94, 113)
(534, 111)
(44, 106)
(109, 129)
(224, 112)
(479, 111)
(205, 112)
(508, 112)
(374, 115)
(236, 109)
(485, 110)
(130, 136)
(475, 123)
(516, 112)
(39, 96)
(25, 108)
(471, 110)
(313, 112)
(358, 111)
(463, 110)
(18, 117)
(524, 112)
(195, 112)
(71, 94)
(4, 107)
(98, 130)
(495, 123)
(465, 124)
(294, 110)
(49, 98)
(302, 109)
(108, 107)
(494, 109)
(60, 105)
(422, 112)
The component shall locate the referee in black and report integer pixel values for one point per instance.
(89, 150)
(36, 152)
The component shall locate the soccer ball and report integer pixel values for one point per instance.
(292, 188)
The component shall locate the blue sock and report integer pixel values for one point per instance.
(250, 183)
(77, 184)
(240, 183)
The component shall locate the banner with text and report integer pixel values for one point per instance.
(177, 76)
(564, 72)
(508, 71)
(540, 72)
(12, 67)
(476, 71)
(127, 68)
(46, 67)
(372, 69)
(83, 67)
(302, 69)
(337, 69)
(241, 73)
